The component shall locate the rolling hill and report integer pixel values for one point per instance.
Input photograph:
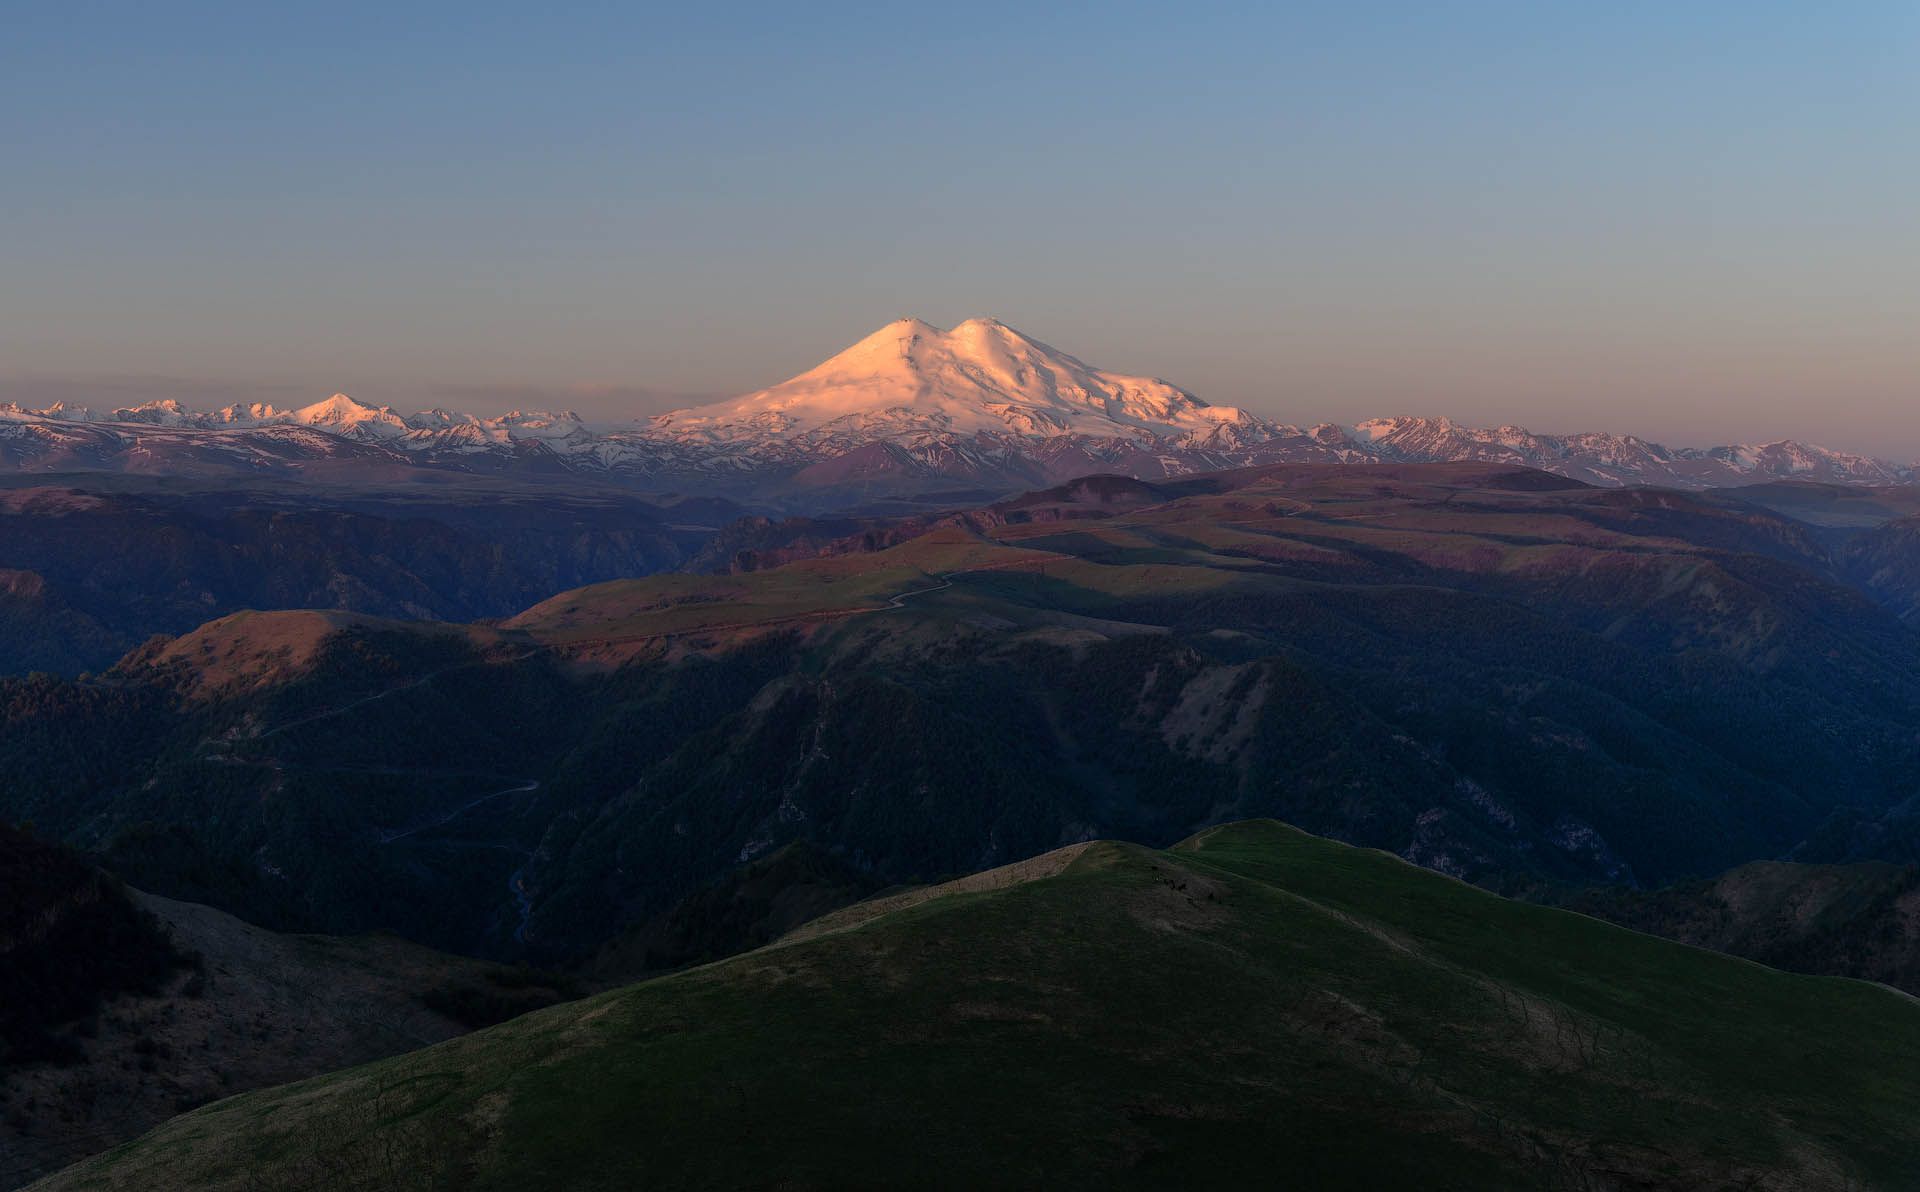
(1253, 1005)
(91, 566)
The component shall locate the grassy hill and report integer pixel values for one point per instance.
(1253, 1006)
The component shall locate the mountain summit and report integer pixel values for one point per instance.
(982, 377)
(345, 415)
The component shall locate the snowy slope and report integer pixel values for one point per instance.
(982, 377)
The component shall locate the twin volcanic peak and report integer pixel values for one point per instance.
(910, 407)
(982, 377)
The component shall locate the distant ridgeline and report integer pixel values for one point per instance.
(910, 413)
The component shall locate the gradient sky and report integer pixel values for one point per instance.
(1696, 221)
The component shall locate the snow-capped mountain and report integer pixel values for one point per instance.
(1606, 459)
(911, 379)
(909, 409)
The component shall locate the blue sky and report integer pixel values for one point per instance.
(1695, 221)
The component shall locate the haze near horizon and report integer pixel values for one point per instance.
(1690, 225)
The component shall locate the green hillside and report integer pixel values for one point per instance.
(1256, 1006)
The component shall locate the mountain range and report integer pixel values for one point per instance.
(1508, 676)
(909, 412)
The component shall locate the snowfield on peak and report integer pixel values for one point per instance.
(982, 377)
(344, 415)
(910, 411)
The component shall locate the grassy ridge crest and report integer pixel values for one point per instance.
(1251, 1005)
